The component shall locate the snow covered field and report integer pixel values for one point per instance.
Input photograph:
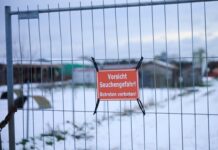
(162, 126)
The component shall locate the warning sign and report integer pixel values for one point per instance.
(118, 84)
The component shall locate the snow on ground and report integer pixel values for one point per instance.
(131, 129)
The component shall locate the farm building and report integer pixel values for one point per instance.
(213, 69)
(158, 74)
(36, 73)
(191, 74)
(148, 76)
(3, 77)
(85, 75)
(66, 70)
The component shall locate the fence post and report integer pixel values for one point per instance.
(8, 35)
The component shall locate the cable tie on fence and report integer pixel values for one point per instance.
(139, 63)
(94, 63)
(96, 106)
(8, 117)
(141, 106)
(98, 100)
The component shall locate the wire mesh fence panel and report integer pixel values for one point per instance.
(50, 72)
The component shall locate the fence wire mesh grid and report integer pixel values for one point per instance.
(50, 64)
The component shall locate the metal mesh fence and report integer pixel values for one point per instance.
(51, 59)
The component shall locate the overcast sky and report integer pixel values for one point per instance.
(105, 43)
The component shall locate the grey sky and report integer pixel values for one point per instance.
(111, 42)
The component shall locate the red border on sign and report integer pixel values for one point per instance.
(115, 99)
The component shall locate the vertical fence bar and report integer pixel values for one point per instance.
(51, 76)
(41, 77)
(127, 18)
(84, 94)
(180, 68)
(93, 46)
(105, 48)
(155, 92)
(28, 110)
(206, 48)
(73, 103)
(22, 78)
(62, 72)
(193, 76)
(142, 72)
(168, 94)
(31, 79)
(9, 54)
(118, 57)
